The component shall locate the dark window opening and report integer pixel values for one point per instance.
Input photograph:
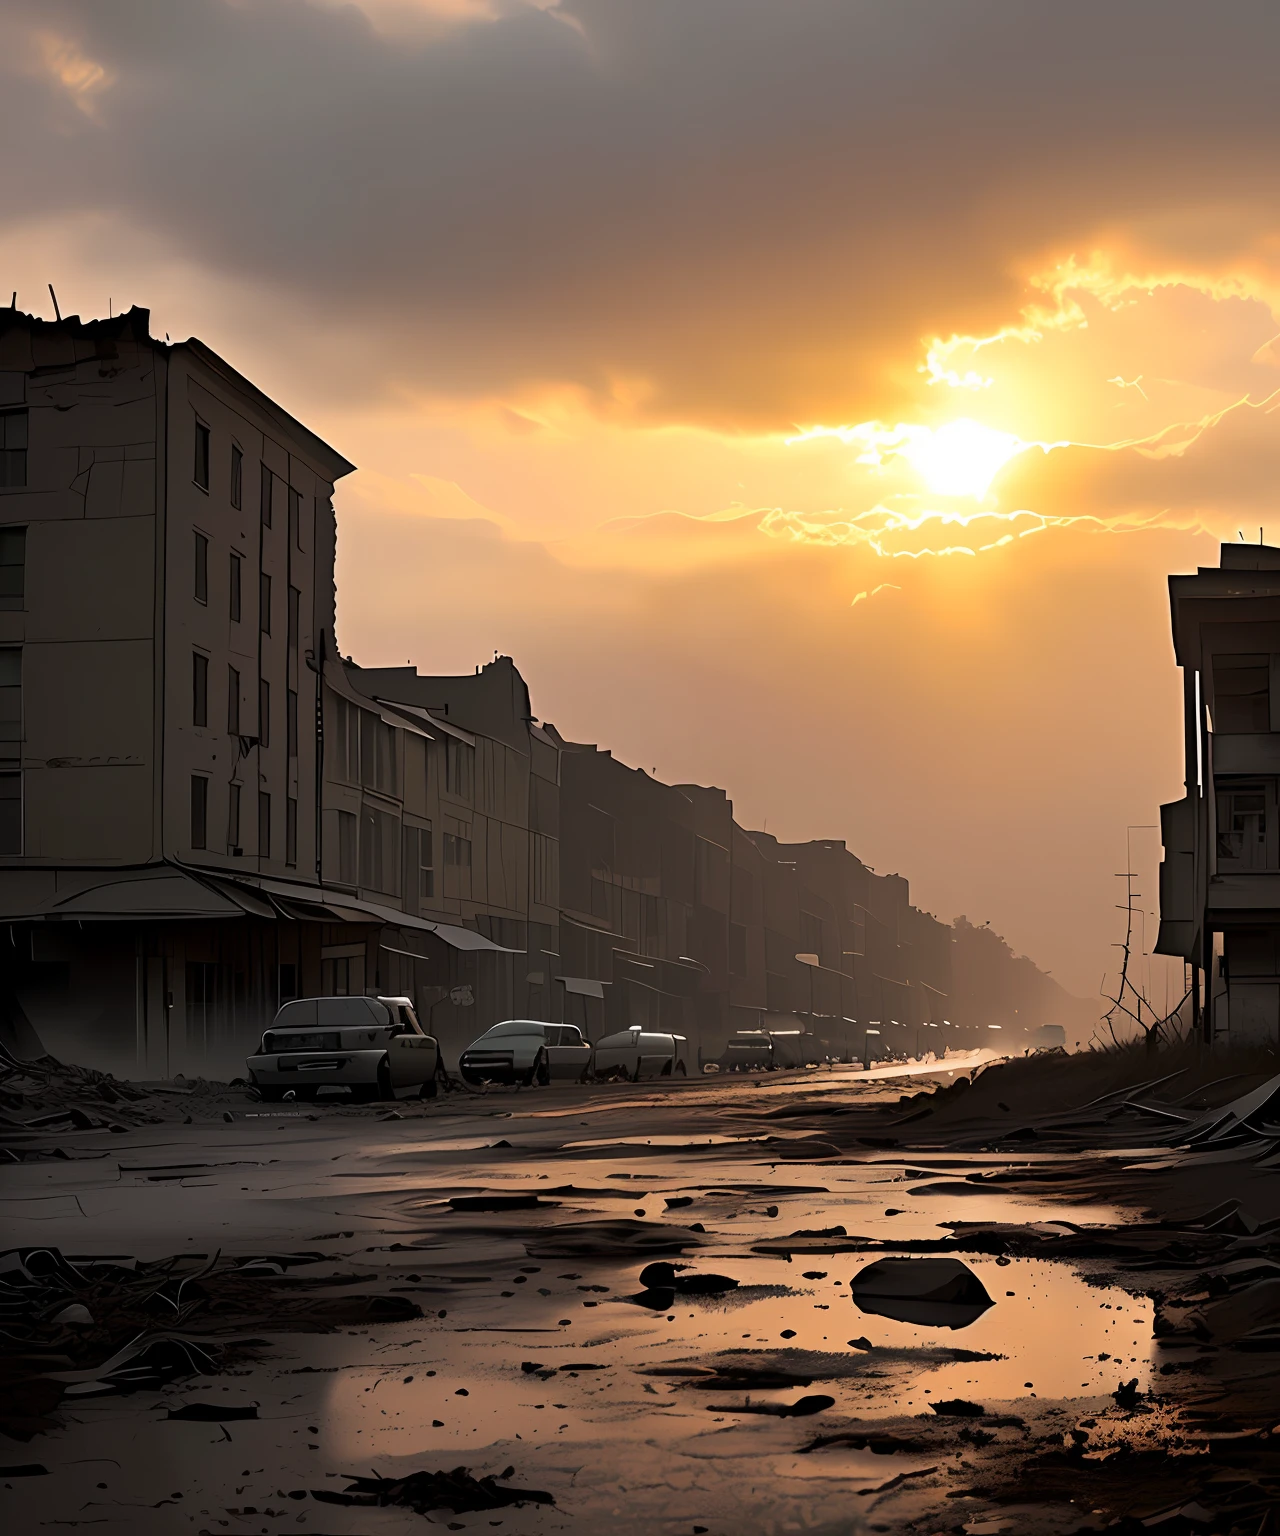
(264, 825)
(264, 602)
(291, 722)
(346, 847)
(13, 450)
(13, 562)
(202, 569)
(200, 472)
(1242, 827)
(737, 949)
(264, 712)
(237, 476)
(233, 702)
(236, 563)
(459, 768)
(199, 811)
(233, 819)
(291, 831)
(295, 605)
(265, 495)
(10, 813)
(295, 518)
(11, 706)
(199, 689)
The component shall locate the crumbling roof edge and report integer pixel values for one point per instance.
(325, 452)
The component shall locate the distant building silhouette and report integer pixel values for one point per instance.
(205, 810)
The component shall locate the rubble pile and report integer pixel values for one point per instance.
(75, 1328)
(47, 1096)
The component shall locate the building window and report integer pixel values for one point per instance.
(737, 949)
(379, 851)
(10, 706)
(346, 741)
(13, 450)
(457, 865)
(295, 605)
(199, 811)
(236, 563)
(233, 702)
(1242, 694)
(1242, 828)
(419, 876)
(377, 753)
(459, 768)
(265, 495)
(200, 473)
(264, 825)
(199, 689)
(233, 819)
(264, 712)
(291, 831)
(546, 868)
(237, 477)
(10, 813)
(426, 864)
(13, 561)
(264, 602)
(202, 569)
(346, 848)
(291, 721)
(295, 518)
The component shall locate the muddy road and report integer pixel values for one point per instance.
(380, 1292)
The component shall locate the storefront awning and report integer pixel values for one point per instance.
(580, 986)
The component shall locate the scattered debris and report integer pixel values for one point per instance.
(425, 1492)
(804, 1408)
(212, 1413)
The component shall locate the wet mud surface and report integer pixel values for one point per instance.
(436, 1315)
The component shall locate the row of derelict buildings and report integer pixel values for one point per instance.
(207, 810)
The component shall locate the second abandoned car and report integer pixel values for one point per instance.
(635, 1053)
(372, 1047)
(526, 1051)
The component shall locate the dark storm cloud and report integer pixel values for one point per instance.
(760, 205)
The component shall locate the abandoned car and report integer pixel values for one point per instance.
(372, 1047)
(526, 1051)
(635, 1053)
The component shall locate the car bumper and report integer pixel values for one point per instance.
(493, 1069)
(323, 1069)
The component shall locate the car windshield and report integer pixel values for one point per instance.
(514, 1027)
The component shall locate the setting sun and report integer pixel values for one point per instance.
(958, 459)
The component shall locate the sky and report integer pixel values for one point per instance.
(812, 397)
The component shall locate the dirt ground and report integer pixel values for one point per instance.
(225, 1316)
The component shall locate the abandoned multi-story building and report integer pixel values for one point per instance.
(206, 810)
(1220, 879)
(201, 816)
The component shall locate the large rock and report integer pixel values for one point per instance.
(932, 1293)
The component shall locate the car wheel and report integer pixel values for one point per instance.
(542, 1069)
(429, 1089)
(384, 1090)
(271, 1095)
